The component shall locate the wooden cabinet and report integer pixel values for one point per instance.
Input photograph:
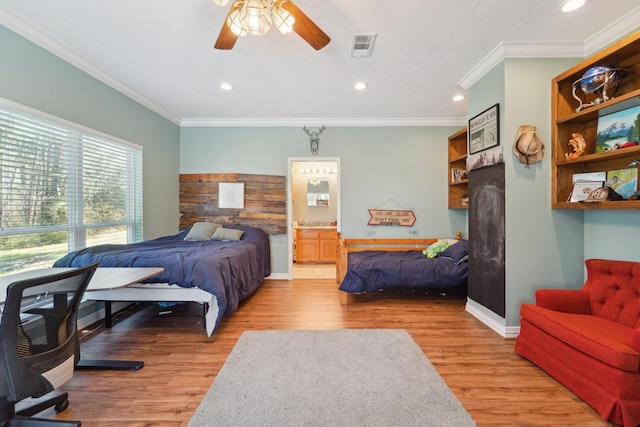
(458, 182)
(316, 245)
(565, 121)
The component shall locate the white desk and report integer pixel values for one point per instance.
(104, 278)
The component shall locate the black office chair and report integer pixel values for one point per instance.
(40, 354)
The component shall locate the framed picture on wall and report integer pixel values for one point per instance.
(231, 195)
(484, 130)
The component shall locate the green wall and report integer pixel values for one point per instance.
(386, 167)
(544, 247)
(31, 76)
(612, 235)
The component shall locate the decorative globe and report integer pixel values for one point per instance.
(593, 80)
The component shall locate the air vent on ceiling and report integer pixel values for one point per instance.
(362, 45)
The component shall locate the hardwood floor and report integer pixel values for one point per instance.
(314, 271)
(495, 385)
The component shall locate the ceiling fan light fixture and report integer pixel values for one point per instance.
(282, 19)
(255, 15)
(235, 22)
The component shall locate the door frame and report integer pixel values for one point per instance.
(290, 162)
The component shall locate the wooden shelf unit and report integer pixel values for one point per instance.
(457, 149)
(565, 121)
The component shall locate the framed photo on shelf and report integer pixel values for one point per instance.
(623, 181)
(458, 175)
(615, 130)
(590, 176)
(582, 189)
(483, 130)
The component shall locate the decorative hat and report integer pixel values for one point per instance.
(528, 146)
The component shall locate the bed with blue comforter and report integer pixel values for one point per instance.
(229, 270)
(366, 271)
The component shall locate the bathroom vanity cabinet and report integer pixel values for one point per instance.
(316, 245)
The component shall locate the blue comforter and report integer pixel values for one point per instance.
(371, 271)
(230, 270)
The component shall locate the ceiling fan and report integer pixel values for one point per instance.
(257, 16)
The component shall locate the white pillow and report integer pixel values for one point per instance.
(227, 234)
(202, 231)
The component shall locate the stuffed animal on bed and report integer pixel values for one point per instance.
(436, 248)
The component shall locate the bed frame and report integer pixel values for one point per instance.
(160, 292)
(157, 292)
(346, 246)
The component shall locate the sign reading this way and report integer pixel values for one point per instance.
(403, 218)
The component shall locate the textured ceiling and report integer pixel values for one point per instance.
(160, 52)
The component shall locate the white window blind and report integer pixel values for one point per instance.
(63, 188)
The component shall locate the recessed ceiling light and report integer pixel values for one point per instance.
(226, 86)
(360, 86)
(458, 98)
(572, 5)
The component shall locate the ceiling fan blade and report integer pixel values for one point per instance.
(227, 38)
(306, 28)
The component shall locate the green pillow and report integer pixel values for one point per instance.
(436, 248)
(227, 234)
(202, 231)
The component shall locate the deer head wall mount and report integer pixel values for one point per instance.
(314, 140)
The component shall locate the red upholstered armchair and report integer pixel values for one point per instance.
(589, 339)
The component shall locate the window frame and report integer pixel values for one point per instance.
(78, 137)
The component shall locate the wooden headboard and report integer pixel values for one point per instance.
(265, 201)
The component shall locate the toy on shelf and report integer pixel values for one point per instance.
(579, 146)
(618, 146)
(598, 80)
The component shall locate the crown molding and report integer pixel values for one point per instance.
(336, 122)
(520, 50)
(571, 49)
(618, 29)
(600, 40)
(34, 35)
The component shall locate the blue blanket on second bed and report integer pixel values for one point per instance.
(230, 270)
(371, 271)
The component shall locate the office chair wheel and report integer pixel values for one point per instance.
(62, 405)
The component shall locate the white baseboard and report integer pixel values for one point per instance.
(512, 331)
(482, 314)
(278, 276)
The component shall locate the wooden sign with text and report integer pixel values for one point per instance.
(402, 218)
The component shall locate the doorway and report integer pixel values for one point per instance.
(313, 203)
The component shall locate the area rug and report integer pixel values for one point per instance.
(353, 377)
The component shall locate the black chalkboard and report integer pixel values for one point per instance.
(486, 284)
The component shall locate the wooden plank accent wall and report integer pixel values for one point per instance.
(265, 201)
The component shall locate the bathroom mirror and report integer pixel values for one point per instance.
(318, 192)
